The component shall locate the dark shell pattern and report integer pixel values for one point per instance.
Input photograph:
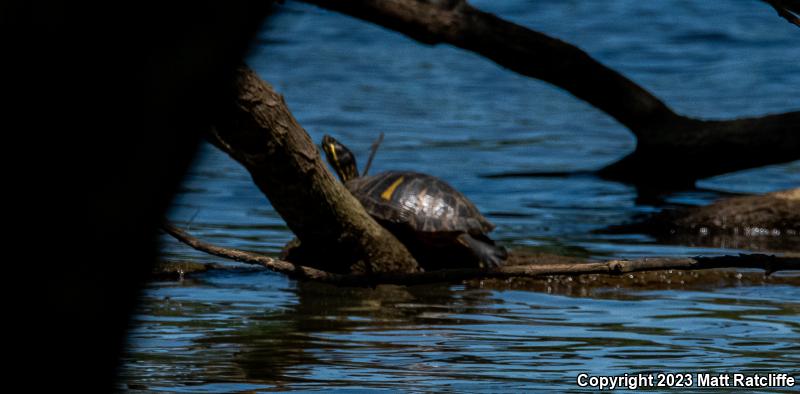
(425, 203)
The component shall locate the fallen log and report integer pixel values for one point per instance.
(768, 263)
(762, 222)
(777, 213)
(671, 148)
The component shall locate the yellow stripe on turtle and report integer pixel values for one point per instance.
(387, 194)
(333, 153)
(335, 162)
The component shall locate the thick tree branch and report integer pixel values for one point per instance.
(680, 153)
(787, 9)
(258, 131)
(768, 263)
(515, 47)
(671, 148)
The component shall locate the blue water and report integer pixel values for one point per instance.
(460, 117)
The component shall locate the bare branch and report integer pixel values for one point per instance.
(769, 263)
(284, 267)
(373, 150)
(515, 47)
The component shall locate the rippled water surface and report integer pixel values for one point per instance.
(460, 117)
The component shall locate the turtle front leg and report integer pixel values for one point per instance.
(488, 255)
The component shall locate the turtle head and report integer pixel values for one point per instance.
(340, 158)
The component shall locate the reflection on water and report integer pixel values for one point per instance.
(241, 330)
(457, 116)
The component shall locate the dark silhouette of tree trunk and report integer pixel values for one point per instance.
(104, 113)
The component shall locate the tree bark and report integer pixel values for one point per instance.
(671, 148)
(777, 212)
(259, 132)
(763, 222)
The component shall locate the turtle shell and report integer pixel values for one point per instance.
(424, 203)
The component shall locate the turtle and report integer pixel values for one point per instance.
(440, 226)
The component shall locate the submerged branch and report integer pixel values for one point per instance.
(769, 263)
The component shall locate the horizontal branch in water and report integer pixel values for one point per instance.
(768, 263)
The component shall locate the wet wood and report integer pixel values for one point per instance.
(618, 286)
(775, 213)
(516, 269)
(258, 130)
(671, 149)
(761, 222)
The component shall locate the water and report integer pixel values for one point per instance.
(460, 117)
